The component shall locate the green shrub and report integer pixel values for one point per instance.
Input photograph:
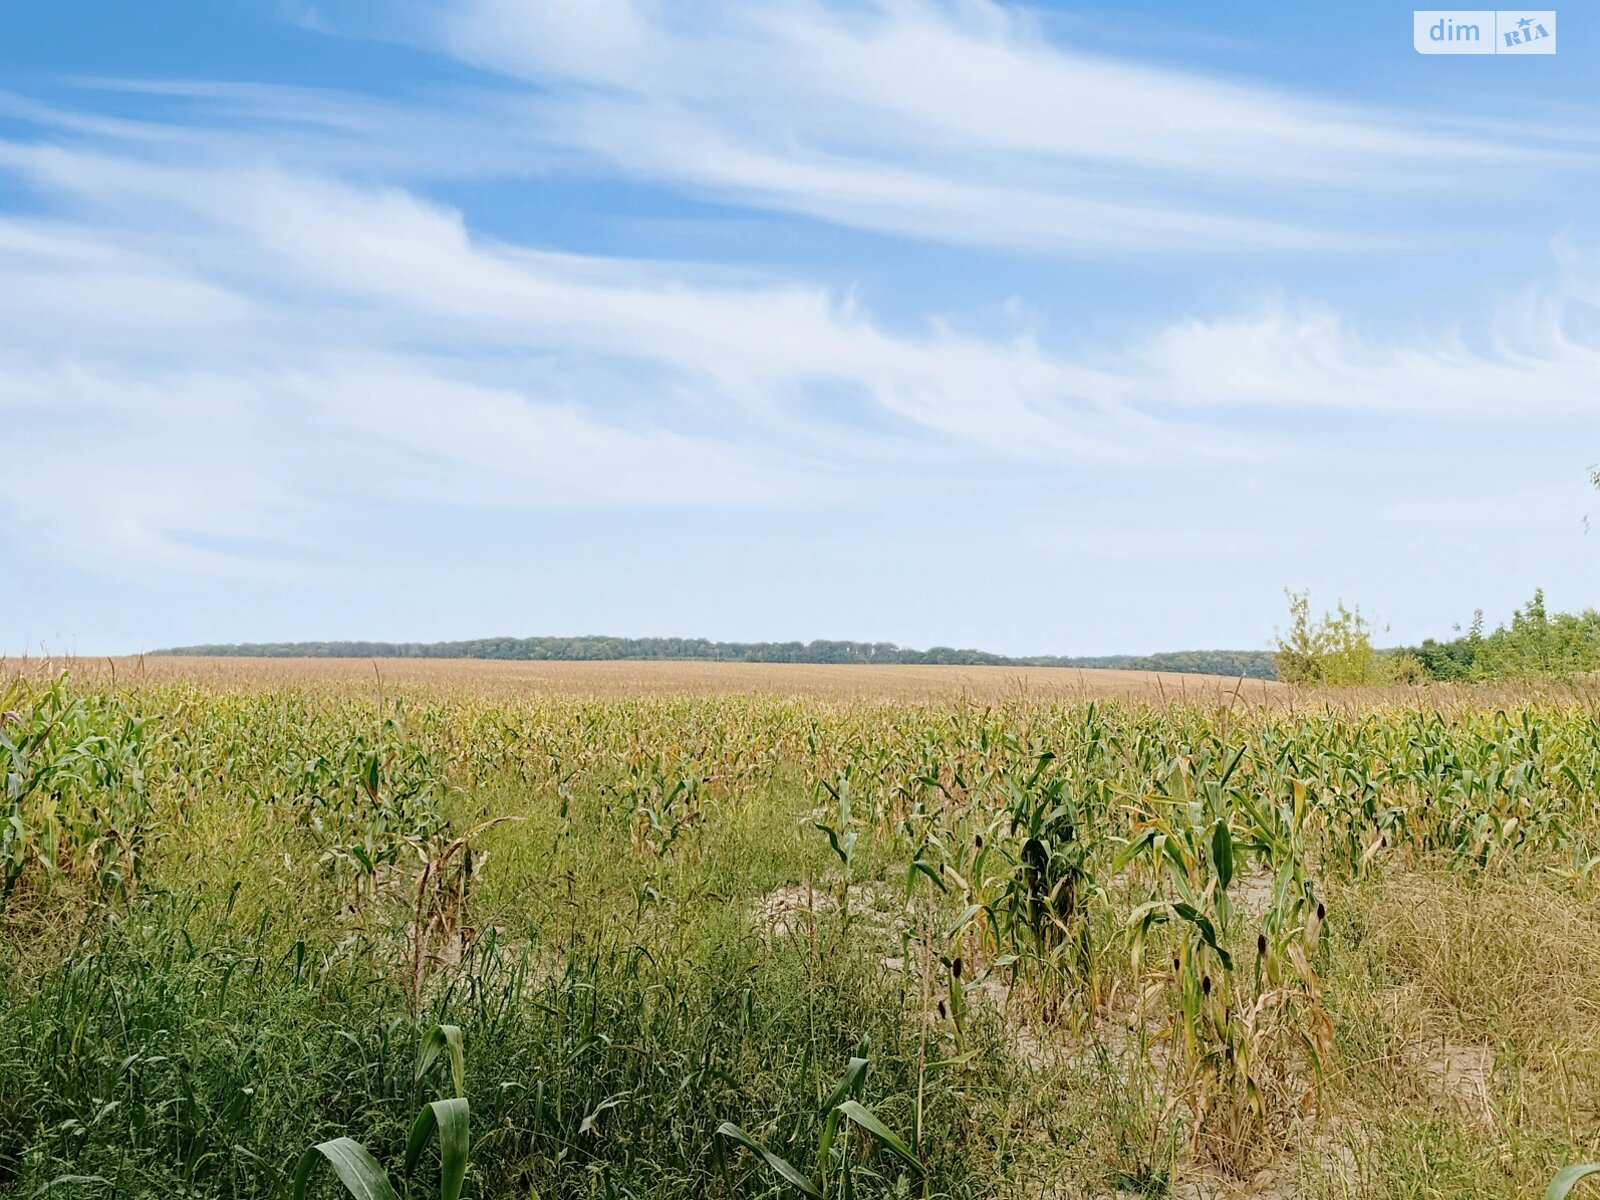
(1334, 649)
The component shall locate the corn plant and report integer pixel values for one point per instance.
(444, 885)
(839, 827)
(835, 1166)
(1237, 1037)
(75, 796)
(1050, 904)
(362, 1175)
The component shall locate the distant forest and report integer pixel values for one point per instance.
(1254, 664)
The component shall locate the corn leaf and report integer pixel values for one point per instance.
(1567, 1179)
(863, 1117)
(360, 1173)
(450, 1118)
(781, 1167)
(437, 1040)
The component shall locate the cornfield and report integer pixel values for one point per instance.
(1241, 945)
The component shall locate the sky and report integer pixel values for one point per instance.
(1046, 329)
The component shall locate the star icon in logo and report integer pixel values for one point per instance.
(1525, 22)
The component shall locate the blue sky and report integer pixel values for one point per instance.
(1047, 329)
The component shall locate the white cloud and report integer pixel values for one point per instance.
(224, 358)
(755, 346)
(950, 120)
(1526, 365)
(237, 338)
(962, 121)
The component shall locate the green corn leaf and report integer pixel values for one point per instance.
(449, 1117)
(439, 1039)
(1233, 764)
(971, 911)
(864, 1118)
(849, 1085)
(781, 1167)
(1152, 912)
(1132, 850)
(1222, 855)
(830, 1128)
(1045, 759)
(360, 1173)
(833, 840)
(927, 868)
(1567, 1178)
(1208, 931)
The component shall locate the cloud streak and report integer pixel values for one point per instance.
(963, 122)
(265, 344)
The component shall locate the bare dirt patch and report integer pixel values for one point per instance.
(797, 906)
(1253, 893)
(1459, 1073)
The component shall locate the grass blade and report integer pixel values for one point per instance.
(62, 1180)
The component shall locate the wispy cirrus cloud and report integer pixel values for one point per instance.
(963, 121)
(269, 328)
(272, 344)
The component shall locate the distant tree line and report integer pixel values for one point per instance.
(1251, 663)
(1336, 648)
(1534, 644)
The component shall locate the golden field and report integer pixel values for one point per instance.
(813, 681)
